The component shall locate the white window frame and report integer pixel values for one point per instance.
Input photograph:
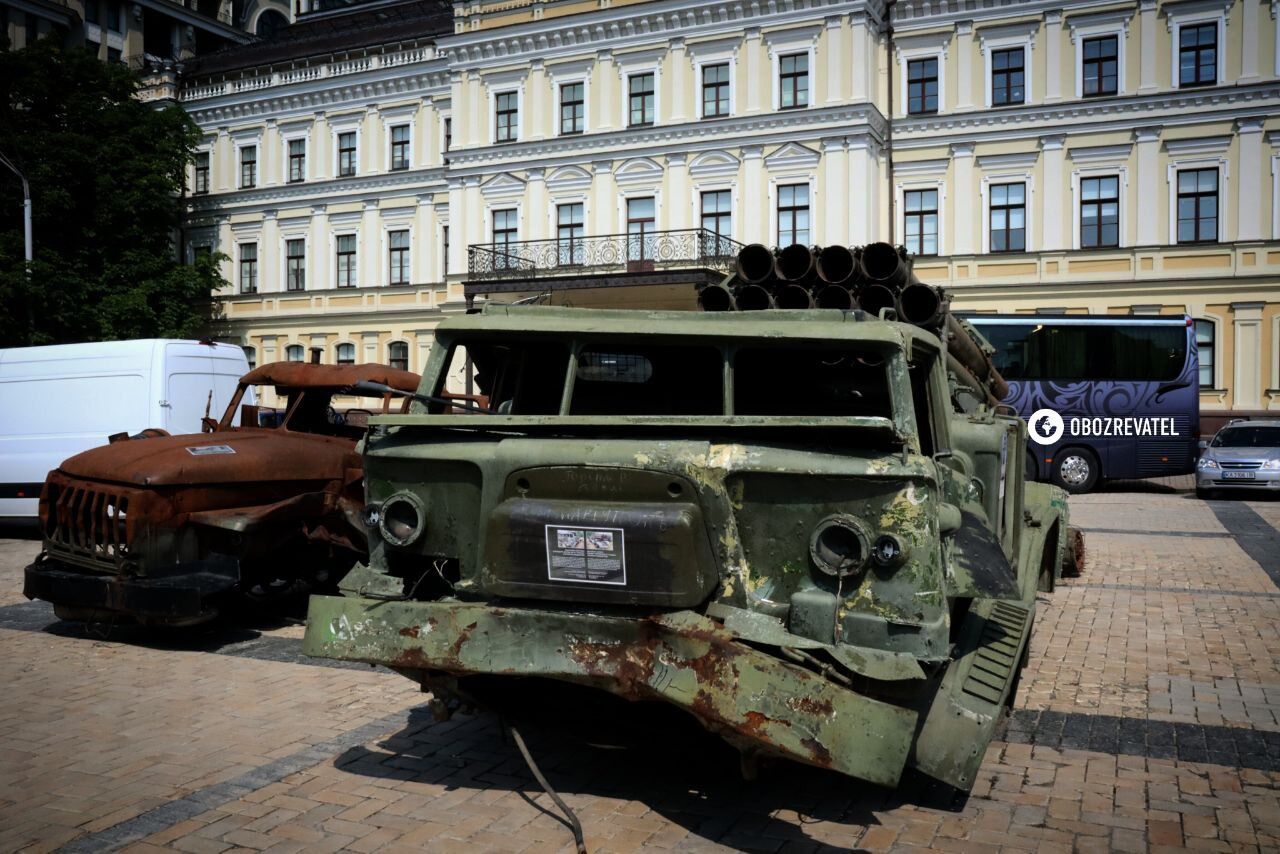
(935, 46)
(719, 59)
(256, 144)
(1219, 324)
(557, 84)
(333, 257)
(384, 277)
(403, 120)
(337, 129)
(1027, 178)
(776, 181)
(1203, 161)
(283, 266)
(444, 152)
(1274, 138)
(1005, 38)
(494, 92)
(782, 43)
(355, 350)
(900, 191)
(1085, 27)
(298, 344)
(635, 71)
(304, 138)
(1110, 161)
(553, 216)
(717, 187)
(241, 242)
(408, 352)
(1211, 12)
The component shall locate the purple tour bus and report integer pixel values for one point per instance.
(1104, 397)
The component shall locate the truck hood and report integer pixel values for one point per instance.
(230, 457)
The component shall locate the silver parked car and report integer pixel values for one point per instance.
(1244, 455)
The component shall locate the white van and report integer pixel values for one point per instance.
(58, 401)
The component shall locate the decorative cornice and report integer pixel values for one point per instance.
(305, 193)
(853, 119)
(237, 107)
(1167, 108)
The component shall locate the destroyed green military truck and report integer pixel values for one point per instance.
(779, 521)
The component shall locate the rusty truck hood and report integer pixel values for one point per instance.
(223, 457)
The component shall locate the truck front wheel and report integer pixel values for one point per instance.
(1076, 470)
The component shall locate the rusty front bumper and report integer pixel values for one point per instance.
(682, 657)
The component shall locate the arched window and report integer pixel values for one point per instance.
(346, 354)
(398, 355)
(1206, 343)
(269, 23)
(251, 353)
(293, 353)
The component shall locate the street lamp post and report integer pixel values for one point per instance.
(26, 209)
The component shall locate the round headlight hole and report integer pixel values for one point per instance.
(889, 551)
(839, 545)
(522, 485)
(401, 519)
(674, 489)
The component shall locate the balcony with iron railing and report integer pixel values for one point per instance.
(639, 257)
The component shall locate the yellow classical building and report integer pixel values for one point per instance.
(377, 167)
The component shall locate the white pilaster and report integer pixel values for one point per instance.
(755, 208)
(1150, 187)
(319, 250)
(863, 193)
(605, 185)
(457, 227)
(680, 70)
(679, 211)
(369, 247)
(1246, 388)
(224, 162)
(753, 55)
(1053, 56)
(863, 52)
(318, 154)
(1055, 216)
(227, 246)
(269, 263)
(833, 49)
(270, 167)
(422, 256)
(1248, 41)
(964, 191)
(535, 222)
(372, 158)
(834, 225)
(536, 120)
(1249, 221)
(1147, 54)
(964, 69)
(605, 91)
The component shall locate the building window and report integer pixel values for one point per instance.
(507, 106)
(1101, 66)
(297, 160)
(346, 257)
(448, 133)
(115, 18)
(1008, 77)
(1205, 341)
(1099, 212)
(248, 166)
(398, 355)
(793, 215)
(1008, 217)
(294, 353)
(505, 233)
(346, 354)
(444, 256)
(1198, 55)
(922, 86)
(400, 147)
(1197, 205)
(717, 215)
(250, 355)
(202, 172)
(114, 54)
(793, 81)
(920, 221)
(295, 265)
(248, 268)
(715, 90)
(398, 257)
(640, 99)
(90, 15)
(346, 154)
(573, 108)
(641, 220)
(569, 234)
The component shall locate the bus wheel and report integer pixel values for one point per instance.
(1076, 470)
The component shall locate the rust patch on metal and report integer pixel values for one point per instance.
(409, 632)
(811, 706)
(818, 752)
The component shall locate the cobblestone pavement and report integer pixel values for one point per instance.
(1147, 719)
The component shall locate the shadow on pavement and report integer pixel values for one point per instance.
(645, 752)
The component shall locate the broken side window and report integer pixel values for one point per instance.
(648, 380)
(799, 380)
(518, 377)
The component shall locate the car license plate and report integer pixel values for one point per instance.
(1238, 475)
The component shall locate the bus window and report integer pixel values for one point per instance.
(1047, 351)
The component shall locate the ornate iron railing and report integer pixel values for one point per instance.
(610, 253)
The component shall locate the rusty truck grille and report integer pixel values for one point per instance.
(89, 523)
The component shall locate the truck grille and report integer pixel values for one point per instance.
(997, 654)
(88, 523)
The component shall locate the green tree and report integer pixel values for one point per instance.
(106, 174)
